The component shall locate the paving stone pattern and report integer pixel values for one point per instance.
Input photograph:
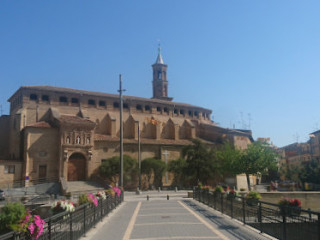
(178, 218)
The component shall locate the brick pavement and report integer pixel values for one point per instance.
(179, 218)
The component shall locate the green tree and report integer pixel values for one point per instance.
(110, 169)
(257, 158)
(10, 215)
(178, 168)
(155, 167)
(201, 162)
(310, 172)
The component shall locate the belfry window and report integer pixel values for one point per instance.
(159, 75)
(78, 140)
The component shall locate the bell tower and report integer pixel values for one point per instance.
(160, 83)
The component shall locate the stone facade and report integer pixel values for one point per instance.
(59, 132)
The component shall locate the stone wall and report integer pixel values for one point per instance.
(308, 199)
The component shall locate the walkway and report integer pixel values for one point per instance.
(159, 219)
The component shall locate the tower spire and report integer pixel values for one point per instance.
(160, 82)
(159, 58)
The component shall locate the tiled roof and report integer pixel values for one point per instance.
(108, 95)
(101, 137)
(40, 125)
(74, 119)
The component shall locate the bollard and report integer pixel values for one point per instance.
(159, 190)
(176, 189)
(147, 197)
(138, 191)
(167, 197)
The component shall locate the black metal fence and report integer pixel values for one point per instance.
(72, 226)
(282, 223)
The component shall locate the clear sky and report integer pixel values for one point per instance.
(255, 63)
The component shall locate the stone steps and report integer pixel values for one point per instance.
(77, 187)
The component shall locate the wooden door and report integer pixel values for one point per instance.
(42, 172)
(76, 168)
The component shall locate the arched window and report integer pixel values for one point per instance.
(78, 140)
(68, 140)
(45, 98)
(34, 97)
(74, 100)
(116, 105)
(147, 108)
(91, 102)
(102, 103)
(139, 107)
(63, 99)
(159, 75)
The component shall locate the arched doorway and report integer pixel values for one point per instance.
(77, 167)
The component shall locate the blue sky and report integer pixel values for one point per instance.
(252, 62)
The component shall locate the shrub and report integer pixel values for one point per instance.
(32, 225)
(253, 195)
(290, 202)
(101, 195)
(88, 198)
(218, 189)
(63, 205)
(11, 214)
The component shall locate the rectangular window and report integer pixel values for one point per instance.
(9, 169)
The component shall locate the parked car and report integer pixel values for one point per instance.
(2, 195)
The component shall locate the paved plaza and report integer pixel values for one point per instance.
(178, 218)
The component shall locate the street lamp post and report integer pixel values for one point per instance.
(121, 130)
(139, 155)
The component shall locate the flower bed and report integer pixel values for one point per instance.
(289, 207)
(62, 205)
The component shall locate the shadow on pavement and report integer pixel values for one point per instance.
(225, 225)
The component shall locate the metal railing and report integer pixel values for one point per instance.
(72, 226)
(283, 223)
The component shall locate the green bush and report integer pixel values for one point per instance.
(253, 195)
(11, 214)
(83, 199)
(218, 189)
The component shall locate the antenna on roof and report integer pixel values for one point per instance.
(296, 137)
(0, 109)
(249, 119)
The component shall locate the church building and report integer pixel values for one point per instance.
(62, 133)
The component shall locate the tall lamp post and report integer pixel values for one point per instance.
(121, 130)
(139, 155)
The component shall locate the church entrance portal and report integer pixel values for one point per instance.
(77, 167)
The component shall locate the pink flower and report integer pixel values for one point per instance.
(31, 228)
